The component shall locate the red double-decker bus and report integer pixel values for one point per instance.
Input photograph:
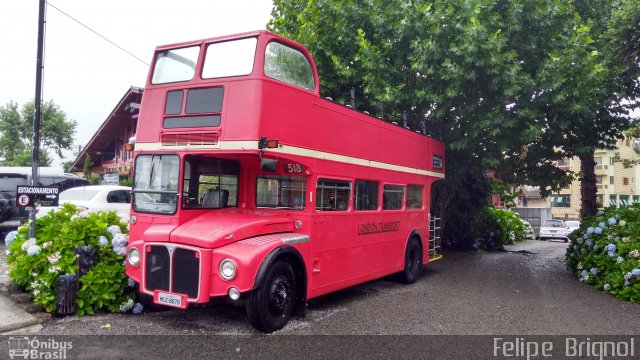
(251, 187)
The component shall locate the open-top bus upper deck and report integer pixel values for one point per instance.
(227, 93)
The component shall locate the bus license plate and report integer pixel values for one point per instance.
(169, 299)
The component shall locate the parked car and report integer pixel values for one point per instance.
(573, 225)
(554, 229)
(94, 198)
(12, 216)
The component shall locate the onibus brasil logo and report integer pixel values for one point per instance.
(24, 347)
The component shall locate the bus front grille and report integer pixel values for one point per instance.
(174, 269)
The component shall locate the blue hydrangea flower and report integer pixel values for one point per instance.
(607, 287)
(627, 276)
(619, 259)
(120, 240)
(11, 236)
(627, 283)
(635, 272)
(131, 282)
(590, 230)
(611, 254)
(612, 248)
(137, 308)
(119, 250)
(599, 213)
(594, 271)
(103, 240)
(612, 221)
(602, 225)
(33, 250)
(598, 230)
(588, 243)
(585, 236)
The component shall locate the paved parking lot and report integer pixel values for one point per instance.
(524, 291)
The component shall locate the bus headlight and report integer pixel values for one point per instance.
(133, 257)
(227, 269)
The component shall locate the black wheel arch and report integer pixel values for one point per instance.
(415, 234)
(293, 256)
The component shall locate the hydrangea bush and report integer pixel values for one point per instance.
(501, 227)
(36, 263)
(605, 252)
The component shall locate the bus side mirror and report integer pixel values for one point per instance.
(268, 165)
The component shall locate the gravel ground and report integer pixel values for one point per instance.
(526, 291)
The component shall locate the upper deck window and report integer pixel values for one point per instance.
(175, 65)
(289, 65)
(229, 58)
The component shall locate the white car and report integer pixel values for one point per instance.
(573, 225)
(554, 229)
(94, 198)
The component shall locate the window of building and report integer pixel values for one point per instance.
(566, 162)
(625, 181)
(392, 197)
(613, 200)
(624, 200)
(288, 65)
(277, 191)
(600, 200)
(598, 160)
(599, 179)
(561, 201)
(611, 180)
(332, 195)
(366, 195)
(636, 199)
(414, 197)
(611, 161)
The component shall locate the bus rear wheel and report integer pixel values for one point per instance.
(412, 262)
(270, 307)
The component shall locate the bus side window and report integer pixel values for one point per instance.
(332, 195)
(414, 197)
(366, 195)
(392, 196)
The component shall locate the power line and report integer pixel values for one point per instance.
(95, 32)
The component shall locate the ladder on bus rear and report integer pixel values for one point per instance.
(435, 239)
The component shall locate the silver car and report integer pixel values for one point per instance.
(554, 229)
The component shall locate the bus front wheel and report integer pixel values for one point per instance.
(270, 307)
(412, 262)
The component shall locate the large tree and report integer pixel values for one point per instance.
(16, 133)
(488, 76)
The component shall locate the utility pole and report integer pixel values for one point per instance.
(35, 157)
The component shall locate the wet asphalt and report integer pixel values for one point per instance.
(524, 291)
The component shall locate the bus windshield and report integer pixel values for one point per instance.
(155, 188)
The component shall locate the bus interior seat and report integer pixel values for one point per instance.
(215, 198)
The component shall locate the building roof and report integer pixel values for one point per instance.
(120, 116)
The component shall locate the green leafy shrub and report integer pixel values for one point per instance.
(35, 264)
(498, 227)
(605, 252)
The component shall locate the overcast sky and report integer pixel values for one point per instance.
(86, 75)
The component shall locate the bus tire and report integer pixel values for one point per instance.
(412, 262)
(270, 306)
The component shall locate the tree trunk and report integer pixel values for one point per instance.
(588, 188)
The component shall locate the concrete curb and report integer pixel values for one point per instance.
(14, 317)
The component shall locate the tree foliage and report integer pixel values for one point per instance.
(16, 132)
(510, 86)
